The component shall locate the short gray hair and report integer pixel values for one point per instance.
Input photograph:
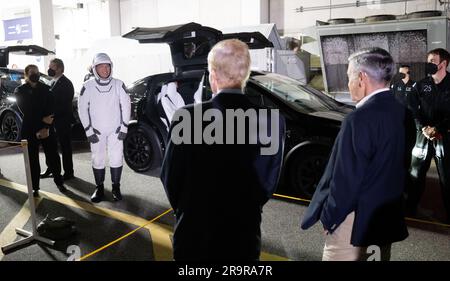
(377, 63)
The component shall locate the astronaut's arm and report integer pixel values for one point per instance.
(125, 109)
(83, 112)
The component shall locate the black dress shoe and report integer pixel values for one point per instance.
(46, 174)
(36, 193)
(68, 176)
(62, 188)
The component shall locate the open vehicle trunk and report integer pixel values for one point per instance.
(190, 43)
(29, 50)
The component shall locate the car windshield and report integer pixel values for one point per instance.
(303, 98)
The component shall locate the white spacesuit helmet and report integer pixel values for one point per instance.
(99, 59)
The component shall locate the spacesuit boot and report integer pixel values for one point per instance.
(99, 175)
(116, 173)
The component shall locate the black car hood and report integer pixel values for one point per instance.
(332, 115)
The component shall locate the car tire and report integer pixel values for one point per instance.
(10, 127)
(306, 169)
(142, 149)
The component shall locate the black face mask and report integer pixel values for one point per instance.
(430, 68)
(51, 72)
(34, 77)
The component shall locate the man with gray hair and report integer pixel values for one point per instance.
(359, 198)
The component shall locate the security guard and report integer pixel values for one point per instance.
(37, 106)
(433, 130)
(62, 91)
(402, 87)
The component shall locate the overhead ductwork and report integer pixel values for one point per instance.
(424, 14)
(378, 18)
(341, 21)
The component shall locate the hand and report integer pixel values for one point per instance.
(93, 138)
(48, 119)
(43, 133)
(430, 133)
(121, 135)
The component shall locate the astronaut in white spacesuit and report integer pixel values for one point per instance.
(104, 109)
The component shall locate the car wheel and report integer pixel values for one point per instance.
(10, 127)
(142, 150)
(306, 169)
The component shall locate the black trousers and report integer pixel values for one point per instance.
(64, 138)
(423, 152)
(51, 155)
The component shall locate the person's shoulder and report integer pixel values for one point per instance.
(44, 86)
(20, 89)
(424, 81)
(66, 79)
(118, 81)
(89, 83)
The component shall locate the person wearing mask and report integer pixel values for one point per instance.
(37, 106)
(63, 92)
(433, 125)
(359, 199)
(105, 109)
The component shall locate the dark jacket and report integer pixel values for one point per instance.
(218, 191)
(434, 100)
(35, 104)
(63, 93)
(365, 174)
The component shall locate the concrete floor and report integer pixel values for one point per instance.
(144, 199)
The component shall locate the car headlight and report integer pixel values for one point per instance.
(11, 99)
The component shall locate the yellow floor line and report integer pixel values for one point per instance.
(9, 234)
(270, 257)
(124, 236)
(162, 245)
(292, 198)
(79, 204)
(160, 232)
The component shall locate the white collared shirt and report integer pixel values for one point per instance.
(366, 98)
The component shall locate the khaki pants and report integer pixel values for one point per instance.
(338, 246)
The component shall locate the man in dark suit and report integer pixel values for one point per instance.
(36, 104)
(216, 187)
(62, 90)
(359, 198)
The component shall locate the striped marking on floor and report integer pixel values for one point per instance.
(160, 233)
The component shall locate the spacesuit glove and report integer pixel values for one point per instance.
(121, 135)
(93, 138)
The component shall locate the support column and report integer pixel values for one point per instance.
(114, 17)
(43, 29)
